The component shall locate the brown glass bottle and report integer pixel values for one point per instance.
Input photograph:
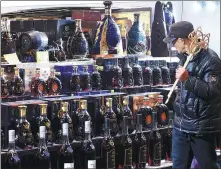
(96, 79)
(147, 74)
(37, 85)
(24, 138)
(146, 112)
(4, 85)
(124, 149)
(66, 153)
(125, 111)
(168, 137)
(65, 118)
(44, 121)
(137, 74)
(75, 80)
(108, 148)
(12, 160)
(162, 112)
(85, 79)
(88, 149)
(116, 74)
(42, 159)
(54, 85)
(82, 116)
(17, 84)
(139, 145)
(109, 113)
(127, 73)
(155, 143)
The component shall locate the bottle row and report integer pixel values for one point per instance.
(111, 77)
(126, 151)
(28, 134)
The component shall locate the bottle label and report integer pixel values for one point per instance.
(143, 154)
(111, 159)
(163, 117)
(65, 128)
(87, 126)
(68, 165)
(128, 157)
(91, 164)
(54, 87)
(11, 137)
(157, 151)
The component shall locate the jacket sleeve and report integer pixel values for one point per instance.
(210, 86)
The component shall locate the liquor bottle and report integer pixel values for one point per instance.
(112, 116)
(44, 121)
(2, 136)
(4, 85)
(117, 80)
(65, 118)
(79, 45)
(127, 74)
(12, 160)
(38, 85)
(24, 137)
(146, 112)
(125, 111)
(54, 85)
(157, 74)
(96, 79)
(55, 123)
(108, 148)
(42, 160)
(75, 80)
(88, 149)
(148, 38)
(168, 138)
(165, 74)
(17, 84)
(108, 38)
(124, 154)
(137, 74)
(85, 79)
(139, 145)
(66, 153)
(82, 116)
(154, 144)
(162, 112)
(147, 74)
(136, 37)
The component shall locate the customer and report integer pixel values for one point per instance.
(198, 103)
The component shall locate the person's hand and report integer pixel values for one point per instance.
(181, 74)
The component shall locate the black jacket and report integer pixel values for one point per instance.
(198, 102)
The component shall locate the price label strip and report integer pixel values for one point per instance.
(68, 165)
(91, 164)
(11, 58)
(42, 56)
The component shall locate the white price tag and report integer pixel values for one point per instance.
(42, 56)
(12, 58)
(44, 73)
(91, 164)
(68, 165)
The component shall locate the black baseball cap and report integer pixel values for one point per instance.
(180, 29)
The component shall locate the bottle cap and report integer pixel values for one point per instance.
(11, 135)
(83, 104)
(43, 108)
(22, 110)
(42, 130)
(125, 100)
(109, 102)
(65, 106)
(65, 128)
(87, 126)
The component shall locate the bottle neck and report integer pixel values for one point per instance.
(42, 142)
(75, 71)
(78, 26)
(85, 70)
(11, 145)
(65, 139)
(139, 128)
(107, 132)
(87, 136)
(136, 19)
(52, 74)
(107, 11)
(37, 76)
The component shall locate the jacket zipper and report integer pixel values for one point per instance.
(181, 90)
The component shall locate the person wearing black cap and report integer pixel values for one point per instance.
(198, 102)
